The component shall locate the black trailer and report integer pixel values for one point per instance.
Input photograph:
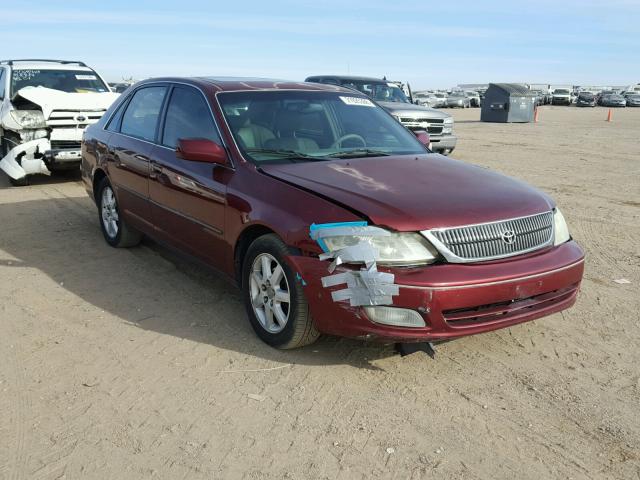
(508, 102)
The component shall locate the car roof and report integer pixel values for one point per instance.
(45, 65)
(351, 77)
(220, 84)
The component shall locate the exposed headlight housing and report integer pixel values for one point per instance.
(560, 228)
(29, 118)
(398, 249)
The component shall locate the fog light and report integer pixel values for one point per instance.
(398, 317)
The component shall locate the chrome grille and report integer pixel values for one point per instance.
(74, 118)
(493, 240)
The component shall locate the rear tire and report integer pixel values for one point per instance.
(115, 230)
(274, 297)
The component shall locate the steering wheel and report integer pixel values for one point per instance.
(348, 136)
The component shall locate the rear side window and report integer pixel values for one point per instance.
(140, 119)
(188, 116)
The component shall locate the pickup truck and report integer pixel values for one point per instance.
(389, 95)
(45, 105)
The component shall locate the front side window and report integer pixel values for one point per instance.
(188, 116)
(70, 81)
(140, 119)
(291, 126)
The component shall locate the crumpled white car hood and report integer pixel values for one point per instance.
(50, 99)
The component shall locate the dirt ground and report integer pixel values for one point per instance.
(135, 363)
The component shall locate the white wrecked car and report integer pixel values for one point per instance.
(45, 105)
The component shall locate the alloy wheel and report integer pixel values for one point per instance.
(270, 294)
(110, 217)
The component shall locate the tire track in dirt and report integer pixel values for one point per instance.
(19, 399)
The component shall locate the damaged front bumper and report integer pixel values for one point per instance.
(453, 299)
(39, 156)
(26, 159)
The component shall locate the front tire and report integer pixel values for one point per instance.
(115, 230)
(274, 297)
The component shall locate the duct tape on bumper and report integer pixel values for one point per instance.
(366, 286)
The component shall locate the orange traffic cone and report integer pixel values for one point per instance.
(535, 115)
(610, 115)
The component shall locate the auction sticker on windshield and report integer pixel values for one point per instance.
(359, 101)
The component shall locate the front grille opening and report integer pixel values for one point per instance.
(502, 311)
(499, 239)
(65, 145)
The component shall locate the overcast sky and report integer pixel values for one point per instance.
(429, 44)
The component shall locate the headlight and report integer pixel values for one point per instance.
(395, 249)
(448, 121)
(560, 228)
(29, 118)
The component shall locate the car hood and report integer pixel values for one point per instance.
(411, 110)
(49, 99)
(411, 193)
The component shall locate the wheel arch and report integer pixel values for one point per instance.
(246, 237)
(98, 175)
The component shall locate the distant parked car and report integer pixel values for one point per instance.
(586, 99)
(458, 100)
(426, 99)
(474, 98)
(540, 97)
(438, 124)
(633, 99)
(603, 94)
(613, 100)
(441, 100)
(118, 87)
(561, 96)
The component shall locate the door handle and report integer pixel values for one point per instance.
(156, 170)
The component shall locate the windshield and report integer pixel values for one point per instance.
(72, 81)
(586, 95)
(561, 92)
(288, 126)
(381, 92)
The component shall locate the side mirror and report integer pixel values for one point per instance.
(201, 150)
(423, 137)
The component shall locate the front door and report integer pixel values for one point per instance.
(187, 198)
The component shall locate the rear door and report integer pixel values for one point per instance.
(134, 131)
(188, 198)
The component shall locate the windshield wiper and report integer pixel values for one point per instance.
(359, 153)
(287, 154)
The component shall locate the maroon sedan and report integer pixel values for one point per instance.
(329, 214)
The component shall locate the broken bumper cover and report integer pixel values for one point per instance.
(454, 300)
(37, 157)
(26, 159)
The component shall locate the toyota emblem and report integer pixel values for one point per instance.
(81, 118)
(509, 237)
